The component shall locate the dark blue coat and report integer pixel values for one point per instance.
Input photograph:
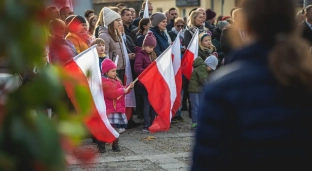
(162, 41)
(248, 122)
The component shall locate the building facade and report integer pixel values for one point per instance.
(221, 7)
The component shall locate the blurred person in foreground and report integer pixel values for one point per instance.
(257, 113)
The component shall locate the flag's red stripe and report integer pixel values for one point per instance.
(159, 97)
(177, 102)
(187, 64)
(94, 122)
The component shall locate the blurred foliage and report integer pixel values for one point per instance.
(31, 141)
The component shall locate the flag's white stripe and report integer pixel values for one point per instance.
(146, 14)
(193, 46)
(116, 61)
(164, 65)
(88, 61)
(176, 51)
(130, 97)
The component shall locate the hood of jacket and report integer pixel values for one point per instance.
(198, 62)
(103, 29)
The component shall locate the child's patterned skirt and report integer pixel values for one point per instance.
(118, 120)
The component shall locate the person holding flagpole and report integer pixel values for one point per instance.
(114, 96)
(145, 56)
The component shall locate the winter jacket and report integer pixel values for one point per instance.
(59, 43)
(199, 76)
(101, 59)
(136, 21)
(112, 48)
(162, 40)
(129, 29)
(142, 60)
(203, 54)
(139, 39)
(249, 122)
(133, 35)
(113, 89)
(78, 42)
(170, 25)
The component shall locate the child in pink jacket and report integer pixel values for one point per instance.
(114, 96)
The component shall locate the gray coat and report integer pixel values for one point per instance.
(112, 48)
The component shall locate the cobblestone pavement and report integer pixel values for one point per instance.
(145, 151)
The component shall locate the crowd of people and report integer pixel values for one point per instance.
(219, 37)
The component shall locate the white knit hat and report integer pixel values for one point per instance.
(109, 16)
(212, 62)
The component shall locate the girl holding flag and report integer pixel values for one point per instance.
(114, 93)
(145, 56)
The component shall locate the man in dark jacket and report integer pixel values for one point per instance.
(173, 14)
(126, 17)
(307, 25)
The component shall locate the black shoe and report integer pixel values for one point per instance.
(132, 124)
(115, 146)
(184, 108)
(94, 140)
(101, 146)
(176, 119)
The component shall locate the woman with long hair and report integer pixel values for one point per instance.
(144, 26)
(257, 112)
(92, 23)
(113, 40)
(196, 20)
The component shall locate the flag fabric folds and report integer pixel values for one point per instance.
(176, 63)
(159, 81)
(190, 55)
(81, 66)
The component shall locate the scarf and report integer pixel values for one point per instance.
(176, 32)
(86, 38)
(201, 29)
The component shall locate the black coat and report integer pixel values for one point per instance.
(227, 37)
(248, 122)
(306, 32)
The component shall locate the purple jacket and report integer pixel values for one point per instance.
(142, 61)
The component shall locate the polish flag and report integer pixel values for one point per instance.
(130, 97)
(176, 62)
(87, 63)
(190, 55)
(158, 79)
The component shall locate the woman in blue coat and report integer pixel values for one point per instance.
(257, 111)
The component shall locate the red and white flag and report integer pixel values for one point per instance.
(158, 79)
(130, 97)
(85, 63)
(176, 62)
(190, 55)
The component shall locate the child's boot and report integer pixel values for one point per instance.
(101, 146)
(115, 146)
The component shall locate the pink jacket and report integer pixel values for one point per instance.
(113, 89)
